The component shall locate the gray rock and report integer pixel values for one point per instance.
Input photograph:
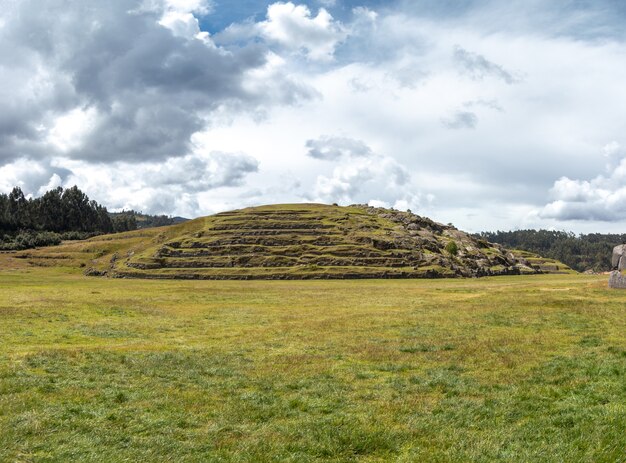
(618, 261)
(617, 280)
(92, 272)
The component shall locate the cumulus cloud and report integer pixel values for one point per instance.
(359, 181)
(362, 176)
(602, 198)
(180, 16)
(145, 73)
(291, 28)
(478, 67)
(333, 148)
(183, 25)
(202, 7)
(33, 177)
(273, 81)
(294, 27)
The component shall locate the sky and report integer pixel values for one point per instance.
(490, 114)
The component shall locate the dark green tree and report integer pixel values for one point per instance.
(18, 213)
(50, 210)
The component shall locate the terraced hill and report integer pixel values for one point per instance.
(543, 264)
(294, 241)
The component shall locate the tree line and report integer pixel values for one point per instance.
(581, 252)
(61, 214)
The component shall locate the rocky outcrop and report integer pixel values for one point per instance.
(618, 261)
(617, 280)
(93, 272)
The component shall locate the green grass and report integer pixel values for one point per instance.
(515, 369)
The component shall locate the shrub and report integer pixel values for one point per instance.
(452, 248)
(24, 241)
(28, 239)
(46, 239)
(77, 235)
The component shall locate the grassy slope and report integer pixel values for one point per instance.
(286, 241)
(524, 368)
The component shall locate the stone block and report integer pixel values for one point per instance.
(618, 255)
(617, 280)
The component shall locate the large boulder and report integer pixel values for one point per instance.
(618, 260)
(617, 280)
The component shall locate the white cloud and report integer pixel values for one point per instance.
(201, 7)
(32, 177)
(54, 182)
(295, 28)
(181, 17)
(183, 25)
(276, 83)
(361, 174)
(602, 198)
(68, 130)
(197, 7)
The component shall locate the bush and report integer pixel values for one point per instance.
(452, 248)
(77, 235)
(27, 240)
(24, 241)
(47, 239)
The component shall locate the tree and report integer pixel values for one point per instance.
(79, 213)
(18, 213)
(50, 210)
(125, 221)
(4, 212)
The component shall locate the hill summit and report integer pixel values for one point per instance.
(297, 241)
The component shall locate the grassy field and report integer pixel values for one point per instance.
(516, 369)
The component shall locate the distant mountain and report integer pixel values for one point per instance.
(298, 241)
